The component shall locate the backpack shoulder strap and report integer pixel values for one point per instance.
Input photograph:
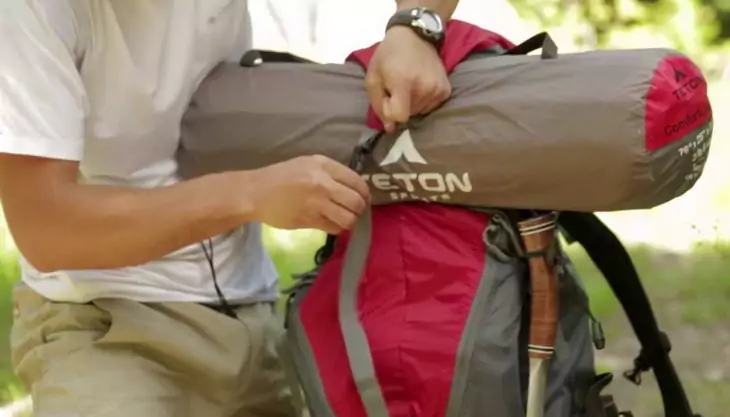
(614, 262)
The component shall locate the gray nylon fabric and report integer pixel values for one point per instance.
(491, 367)
(289, 363)
(572, 371)
(304, 364)
(493, 382)
(356, 342)
(493, 375)
(519, 131)
(496, 363)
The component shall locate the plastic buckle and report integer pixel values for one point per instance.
(363, 149)
(643, 362)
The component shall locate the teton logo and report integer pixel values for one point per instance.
(687, 83)
(403, 148)
(679, 75)
(409, 186)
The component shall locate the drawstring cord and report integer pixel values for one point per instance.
(208, 251)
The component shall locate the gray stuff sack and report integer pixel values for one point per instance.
(595, 131)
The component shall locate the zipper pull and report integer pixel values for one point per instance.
(597, 334)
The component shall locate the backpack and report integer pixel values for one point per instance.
(340, 370)
(464, 303)
(434, 310)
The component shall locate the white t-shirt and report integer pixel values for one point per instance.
(106, 83)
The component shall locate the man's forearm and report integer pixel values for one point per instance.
(445, 8)
(91, 226)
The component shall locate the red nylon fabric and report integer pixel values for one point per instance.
(423, 271)
(676, 87)
(424, 268)
(461, 40)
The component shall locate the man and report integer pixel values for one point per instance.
(120, 312)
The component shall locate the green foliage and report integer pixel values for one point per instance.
(700, 28)
(697, 284)
(293, 257)
(10, 387)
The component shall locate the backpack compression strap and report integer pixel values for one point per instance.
(356, 342)
(614, 262)
(353, 269)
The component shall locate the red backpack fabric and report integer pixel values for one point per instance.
(414, 300)
(419, 310)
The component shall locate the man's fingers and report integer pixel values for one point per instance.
(328, 226)
(432, 93)
(347, 198)
(420, 103)
(437, 99)
(347, 177)
(338, 215)
(376, 94)
(422, 95)
(398, 105)
(347, 194)
(388, 122)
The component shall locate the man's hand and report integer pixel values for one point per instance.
(308, 192)
(406, 77)
(59, 224)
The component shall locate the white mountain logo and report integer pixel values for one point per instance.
(403, 148)
(416, 186)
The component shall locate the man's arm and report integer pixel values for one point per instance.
(56, 222)
(445, 8)
(60, 224)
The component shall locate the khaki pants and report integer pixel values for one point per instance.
(120, 358)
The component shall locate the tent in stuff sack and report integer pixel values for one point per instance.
(453, 296)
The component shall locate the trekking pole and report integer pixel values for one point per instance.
(538, 237)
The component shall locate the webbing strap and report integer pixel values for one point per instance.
(541, 41)
(614, 262)
(368, 139)
(291, 376)
(356, 342)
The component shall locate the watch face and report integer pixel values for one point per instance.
(431, 22)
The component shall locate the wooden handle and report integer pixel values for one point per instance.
(538, 235)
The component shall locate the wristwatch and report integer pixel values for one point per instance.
(426, 23)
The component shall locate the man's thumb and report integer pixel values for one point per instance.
(376, 95)
(398, 105)
(388, 123)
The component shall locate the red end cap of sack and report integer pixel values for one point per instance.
(677, 104)
(461, 40)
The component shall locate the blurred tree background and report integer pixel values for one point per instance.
(700, 28)
(681, 249)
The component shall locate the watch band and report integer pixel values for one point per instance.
(413, 18)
